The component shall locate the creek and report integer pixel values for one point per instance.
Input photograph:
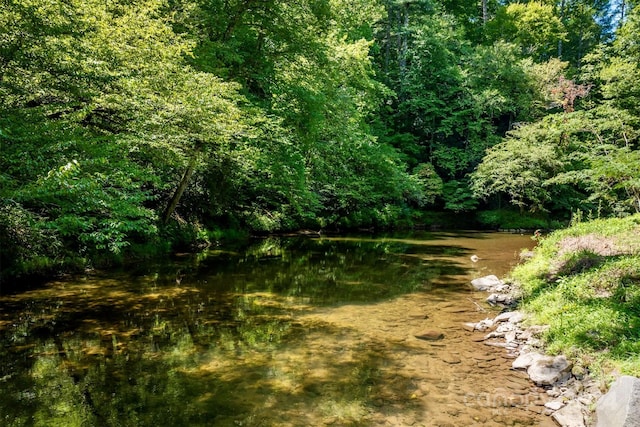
(283, 332)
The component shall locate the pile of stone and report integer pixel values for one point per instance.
(572, 392)
(500, 293)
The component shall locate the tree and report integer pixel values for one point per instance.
(306, 67)
(64, 156)
(454, 101)
(621, 73)
(584, 159)
(78, 158)
(533, 26)
(186, 113)
(586, 27)
(519, 167)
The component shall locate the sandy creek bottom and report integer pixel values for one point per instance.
(452, 382)
(284, 334)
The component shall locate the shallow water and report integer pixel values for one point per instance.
(286, 332)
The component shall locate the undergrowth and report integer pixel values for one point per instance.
(584, 282)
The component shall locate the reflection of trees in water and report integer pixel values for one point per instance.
(326, 271)
(93, 382)
(146, 350)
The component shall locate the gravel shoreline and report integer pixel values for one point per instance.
(572, 392)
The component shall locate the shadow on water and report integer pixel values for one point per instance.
(279, 334)
(182, 371)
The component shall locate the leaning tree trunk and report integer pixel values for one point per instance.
(177, 195)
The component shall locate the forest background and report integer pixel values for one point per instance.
(129, 129)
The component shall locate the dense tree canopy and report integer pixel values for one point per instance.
(585, 158)
(126, 126)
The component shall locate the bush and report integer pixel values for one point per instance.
(27, 247)
(510, 219)
(184, 236)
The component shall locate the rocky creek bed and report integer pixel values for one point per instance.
(575, 399)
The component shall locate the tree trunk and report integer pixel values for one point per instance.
(387, 48)
(562, 6)
(485, 16)
(177, 195)
(404, 40)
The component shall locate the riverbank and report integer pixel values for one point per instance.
(569, 394)
(579, 325)
(30, 256)
(584, 283)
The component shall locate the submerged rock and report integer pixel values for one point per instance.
(451, 359)
(486, 283)
(430, 335)
(620, 407)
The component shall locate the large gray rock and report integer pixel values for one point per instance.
(620, 407)
(517, 317)
(554, 405)
(503, 317)
(548, 370)
(525, 360)
(486, 283)
(570, 415)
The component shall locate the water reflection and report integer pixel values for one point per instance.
(287, 332)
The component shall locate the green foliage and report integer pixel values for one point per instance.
(503, 83)
(509, 219)
(68, 157)
(585, 283)
(101, 213)
(581, 159)
(118, 117)
(185, 237)
(24, 241)
(454, 100)
(621, 72)
(457, 196)
(519, 167)
(534, 26)
(585, 159)
(362, 186)
(586, 26)
(430, 184)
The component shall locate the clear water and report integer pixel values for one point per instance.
(285, 332)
